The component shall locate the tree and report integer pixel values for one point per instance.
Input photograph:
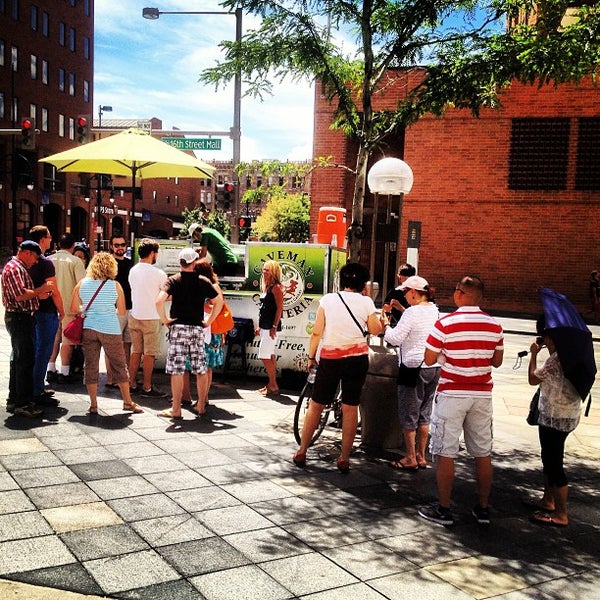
(446, 54)
(286, 218)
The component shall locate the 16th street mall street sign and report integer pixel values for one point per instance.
(193, 143)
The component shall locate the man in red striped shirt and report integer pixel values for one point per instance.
(467, 343)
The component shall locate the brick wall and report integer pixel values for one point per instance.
(471, 222)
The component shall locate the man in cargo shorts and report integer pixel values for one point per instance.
(470, 343)
(187, 291)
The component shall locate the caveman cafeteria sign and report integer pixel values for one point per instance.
(308, 271)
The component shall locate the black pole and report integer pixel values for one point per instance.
(14, 185)
(98, 206)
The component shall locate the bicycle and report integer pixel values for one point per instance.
(302, 407)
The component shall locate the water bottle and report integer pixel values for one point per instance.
(312, 373)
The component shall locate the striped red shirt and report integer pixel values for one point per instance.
(467, 340)
(15, 282)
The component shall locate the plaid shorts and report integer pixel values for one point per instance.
(186, 341)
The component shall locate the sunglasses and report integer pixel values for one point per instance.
(119, 245)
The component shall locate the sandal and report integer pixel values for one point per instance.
(343, 466)
(299, 459)
(133, 407)
(92, 410)
(542, 518)
(532, 502)
(168, 414)
(398, 465)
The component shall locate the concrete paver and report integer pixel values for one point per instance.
(133, 506)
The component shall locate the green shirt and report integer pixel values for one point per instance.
(217, 246)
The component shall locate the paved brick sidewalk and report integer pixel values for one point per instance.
(132, 506)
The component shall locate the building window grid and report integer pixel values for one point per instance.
(33, 67)
(62, 33)
(72, 39)
(2, 50)
(71, 84)
(45, 24)
(44, 124)
(61, 80)
(34, 17)
(539, 154)
(587, 170)
(45, 70)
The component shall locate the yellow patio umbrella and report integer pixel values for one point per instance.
(131, 152)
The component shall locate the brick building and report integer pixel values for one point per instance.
(513, 196)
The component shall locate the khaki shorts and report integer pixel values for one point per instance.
(454, 414)
(145, 336)
(124, 324)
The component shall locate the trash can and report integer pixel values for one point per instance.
(380, 422)
(331, 226)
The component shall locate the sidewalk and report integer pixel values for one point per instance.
(133, 506)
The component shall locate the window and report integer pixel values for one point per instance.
(34, 17)
(1, 105)
(14, 58)
(62, 33)
(86, 91)
(61, 80)
(2, 47)
(45, 24)
(176, 199)
(14, 10)
(71, 128)
(71, 84)
(539, 150)
(587, 174)
(72, 39)
(33, 66)
(86, 48)
(45, 72)
(44, 123)
(86, 8)
(61, 125)
(33, 112)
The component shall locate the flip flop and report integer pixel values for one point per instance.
(533, 503)
(542, 518)
(168, 414)
(92, 411)
(133, 407)
(398, 466)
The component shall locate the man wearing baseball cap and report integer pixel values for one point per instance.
(187, 291)
(21, 301)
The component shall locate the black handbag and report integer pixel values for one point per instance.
(534, 410)
(408, 376)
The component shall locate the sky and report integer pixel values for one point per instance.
(146, 69)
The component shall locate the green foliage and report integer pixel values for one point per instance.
(215, 219)
(285, 218)
(441, 54)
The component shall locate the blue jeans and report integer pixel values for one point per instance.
(20, 327)
(46, 326)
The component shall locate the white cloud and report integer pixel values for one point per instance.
(147, 69)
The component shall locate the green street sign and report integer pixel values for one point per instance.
(193, 143)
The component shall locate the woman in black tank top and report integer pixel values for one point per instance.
(269, 322)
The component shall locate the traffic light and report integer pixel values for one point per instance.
(227, 195)
(245, 224)
(28, 133)
(83, 129)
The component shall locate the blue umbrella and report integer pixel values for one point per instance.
(572, 338)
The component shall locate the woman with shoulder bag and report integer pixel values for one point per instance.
(416, 382)
(343, 322)
(101, 329)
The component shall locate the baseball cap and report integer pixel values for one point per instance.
(415, 283)
(189, 255)
(31, 246)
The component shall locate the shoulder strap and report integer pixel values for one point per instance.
(365, 333)
(94, 296)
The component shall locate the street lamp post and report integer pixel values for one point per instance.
(99, 180)
(236, 131)
(101, 110)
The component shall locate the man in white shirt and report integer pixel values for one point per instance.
(145, 327)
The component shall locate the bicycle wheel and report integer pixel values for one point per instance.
(300, 415)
